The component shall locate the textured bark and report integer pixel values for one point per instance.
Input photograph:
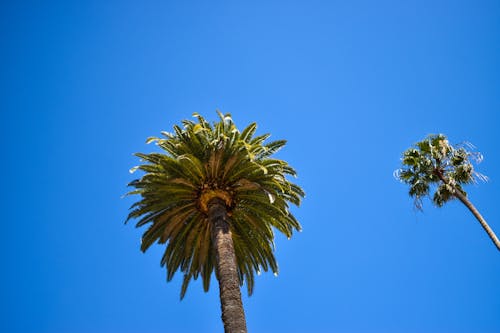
(479, 217)
(233, 315)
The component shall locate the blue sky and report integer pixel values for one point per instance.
(349, 84)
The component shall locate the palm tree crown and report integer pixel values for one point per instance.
(435, 163)
(202, 162)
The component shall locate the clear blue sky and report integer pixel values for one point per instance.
(350, 85)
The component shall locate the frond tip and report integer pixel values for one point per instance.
(201, 161)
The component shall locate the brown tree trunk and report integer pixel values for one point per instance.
(233, 315)
(479, 217)
(473, 210)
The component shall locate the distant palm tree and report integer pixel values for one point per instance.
(214, 197)
(434, 162)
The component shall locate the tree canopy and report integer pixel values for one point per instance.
(201, 161)
(435, 164)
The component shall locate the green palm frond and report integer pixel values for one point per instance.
(201, 161)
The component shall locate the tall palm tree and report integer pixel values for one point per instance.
(214, 197)
(435, 163)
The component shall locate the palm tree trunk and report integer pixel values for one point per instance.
(233, 315)
(472, 209)
(478, 216)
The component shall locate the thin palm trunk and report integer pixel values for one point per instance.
(233, 315)
(473, 210)
(479, 217)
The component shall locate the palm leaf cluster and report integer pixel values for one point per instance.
(203, 161)
(435, 163)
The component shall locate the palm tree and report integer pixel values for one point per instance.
(214, 197)
(435, 163)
